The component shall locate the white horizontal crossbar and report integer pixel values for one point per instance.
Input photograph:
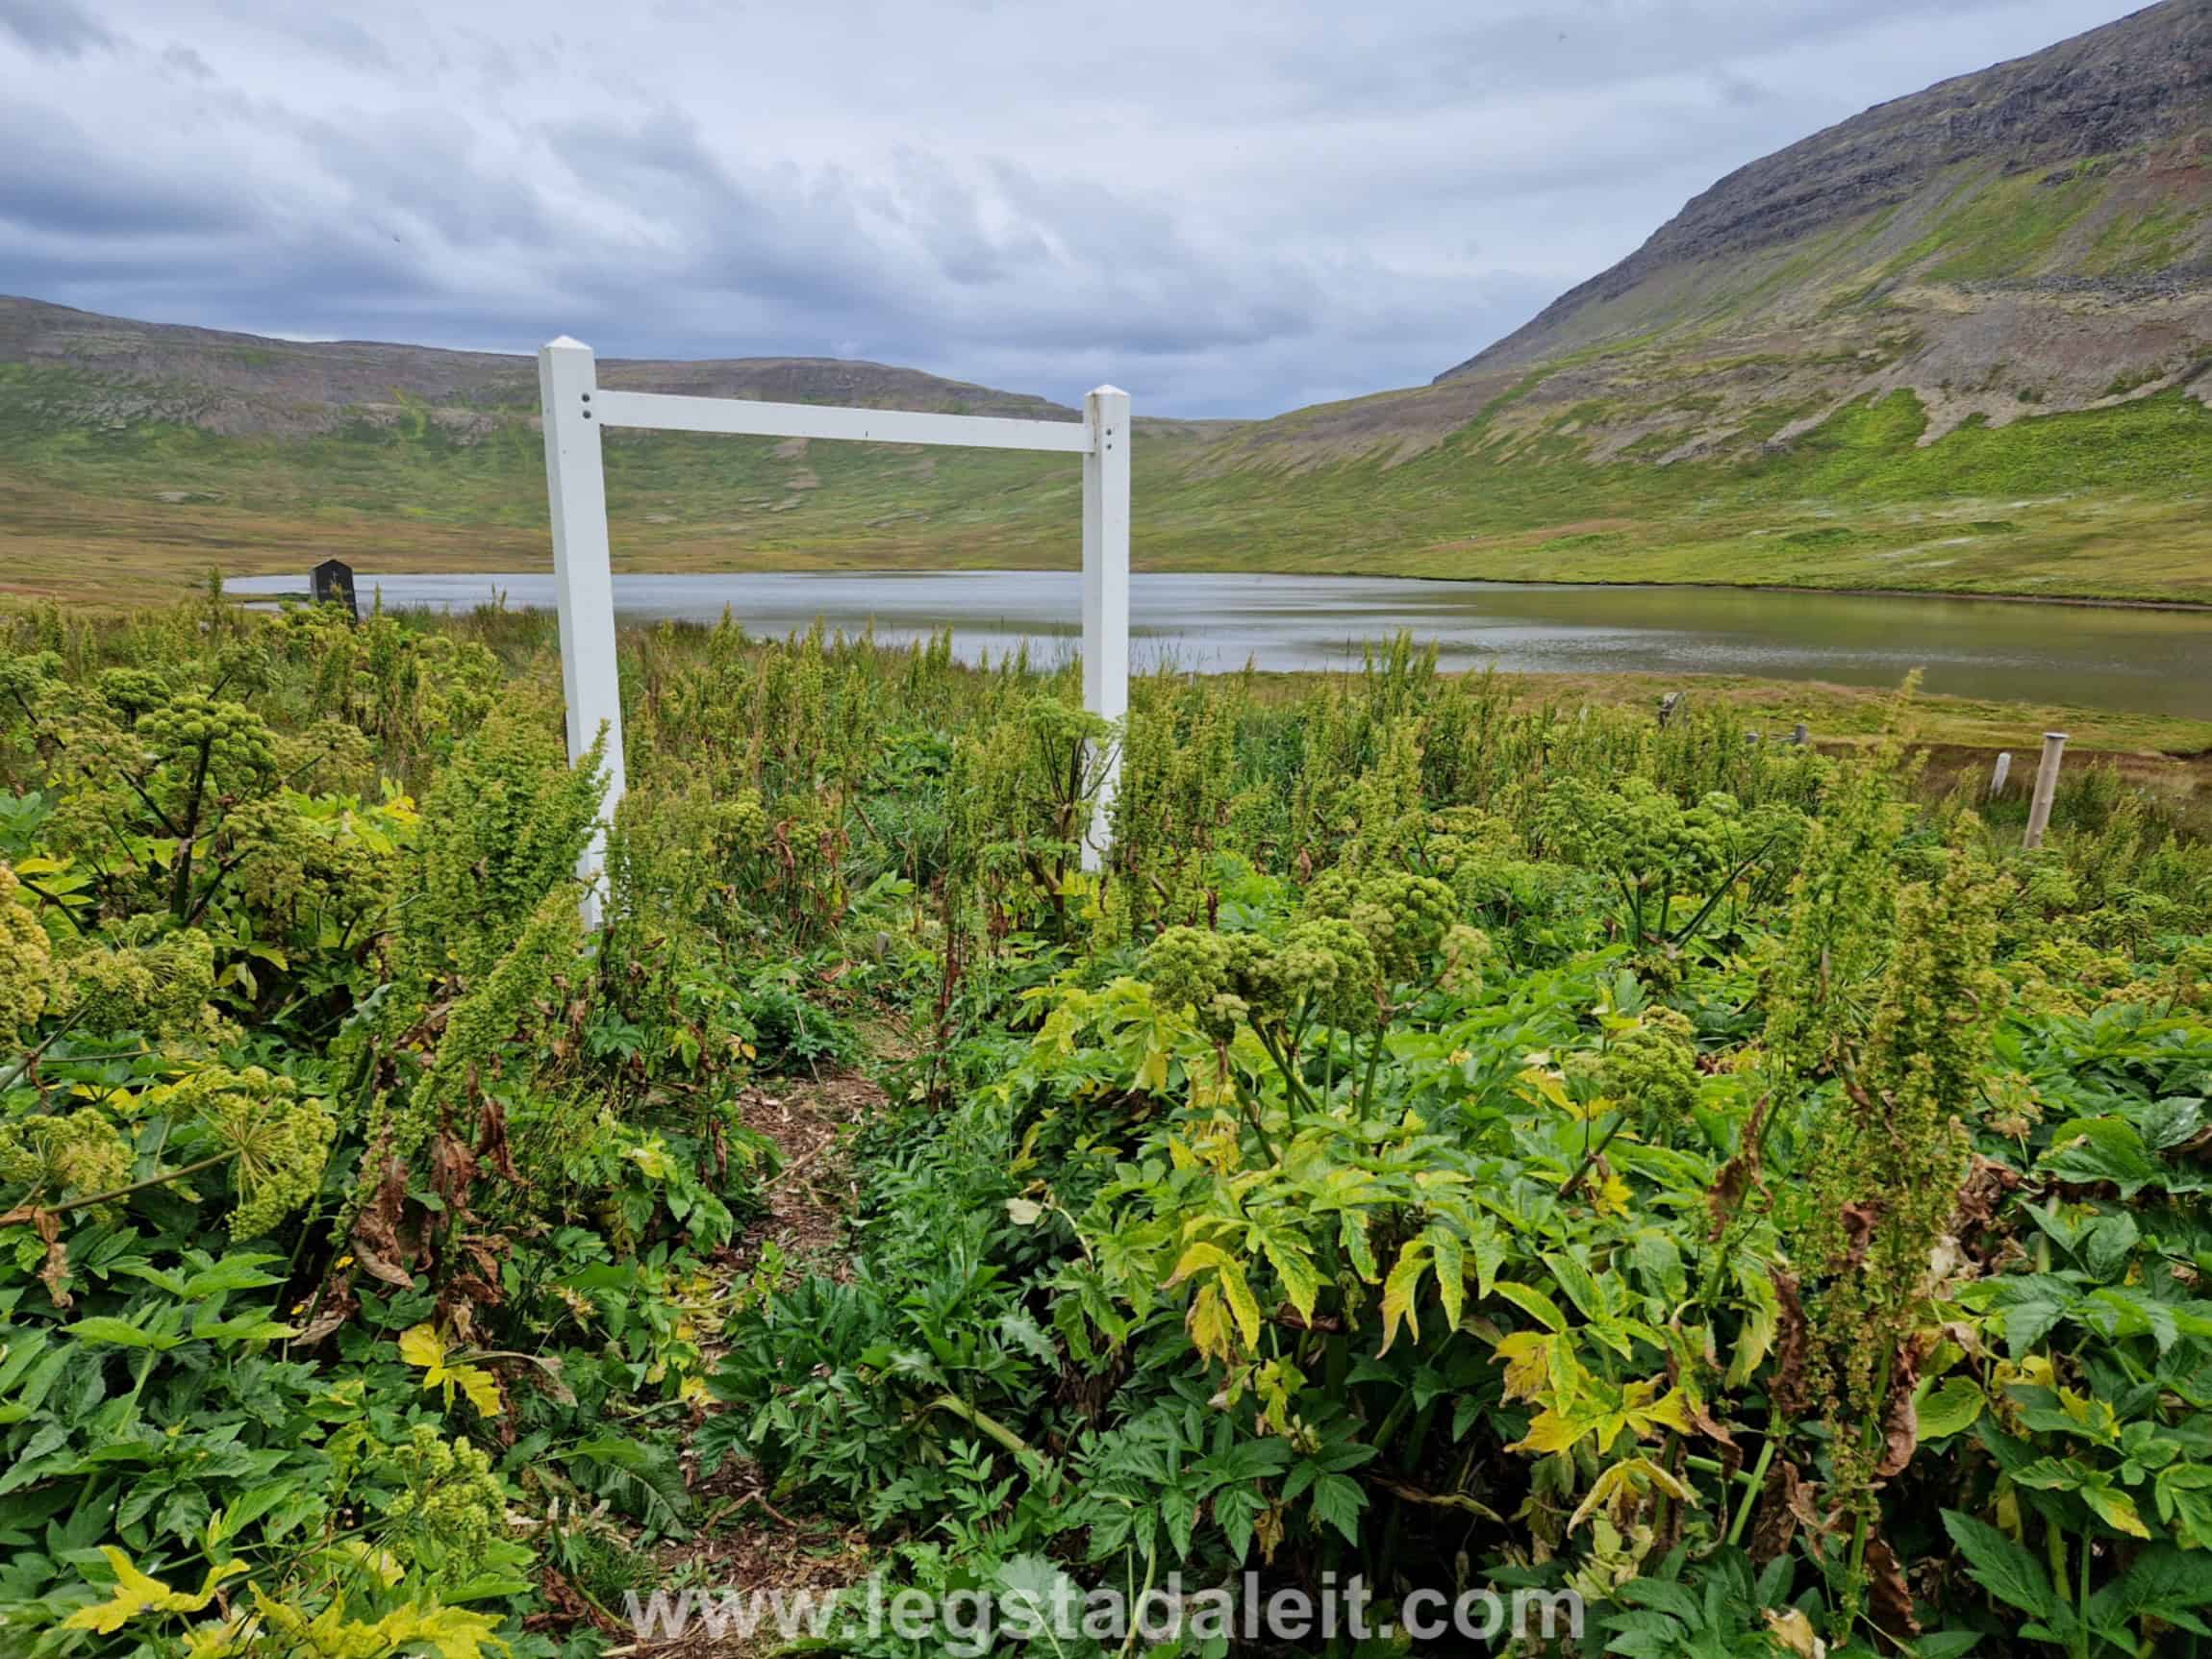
(665, 412)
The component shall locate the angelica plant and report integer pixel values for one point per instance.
(448, 1518)
(278, 1139)
(139, 982)
(28, 983)
(48, 1159)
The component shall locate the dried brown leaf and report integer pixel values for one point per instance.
(54, 1272)
(1889, 1600)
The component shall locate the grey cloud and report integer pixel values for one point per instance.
(318, 28)
(53, 27)
(187, 61)
(1583, 46)
(1737, 89)
(422, 175)
(57, 183)
(341, 38)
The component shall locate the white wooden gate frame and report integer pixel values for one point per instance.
(574, 411)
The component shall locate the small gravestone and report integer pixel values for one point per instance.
(1800, 736)
(334, 586)
(1667, 704)
(2000, 772)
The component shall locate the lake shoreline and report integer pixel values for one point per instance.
(2076, 601)
(2082, 601)
(2141, 658)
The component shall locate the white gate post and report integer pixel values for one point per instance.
(1106, 593)
(584, 583)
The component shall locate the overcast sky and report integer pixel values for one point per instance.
(1228, 209)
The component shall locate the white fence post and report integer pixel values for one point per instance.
(1106, 593)
(584, 583)
(576, 409)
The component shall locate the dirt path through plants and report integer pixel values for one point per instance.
(744, 1542)
(811, 1194)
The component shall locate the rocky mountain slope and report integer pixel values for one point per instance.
(2120, 104)
(2031, 238)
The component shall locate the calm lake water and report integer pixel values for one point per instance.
(2154, 661)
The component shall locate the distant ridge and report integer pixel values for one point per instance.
(244, 384)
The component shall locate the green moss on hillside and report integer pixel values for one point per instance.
(2012, 225)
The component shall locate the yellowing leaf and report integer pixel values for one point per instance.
(1613, 1197)
(1670, 1411)
(1550, 1432)
(1352, 1235)
(1795, 1632)
(1241, 1301)
(1208, 1323)
(1294, 1268)
(2116, 1509)
(1196, 1260)
(1547, 1086)
(1639, 1475)
(1762, 1321)
(449, 1632)
(1399, 1289)
(481, 1387)
(1527, 1357)
(1152, 1070)
(380, 1565)
(422, 1345)
(135, 1593)
(654, 1160)
(452, 1632)
(218, 1640)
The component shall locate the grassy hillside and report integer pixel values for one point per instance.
(2106, 503)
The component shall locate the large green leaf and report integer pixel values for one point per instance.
(1950, 1406)
(1999, 1566)
(102, 1329)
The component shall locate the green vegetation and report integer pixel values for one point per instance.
(2008, 226)
(2146, 241)
(2107, 502)
(1454, 1142)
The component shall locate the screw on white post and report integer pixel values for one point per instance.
(1106, 594)
(584, 584)
(2046, 788)
(1998, 774)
